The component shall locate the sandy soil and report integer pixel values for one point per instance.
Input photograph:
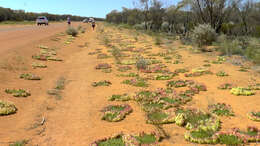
(75, 119)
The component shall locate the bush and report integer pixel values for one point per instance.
(72, 31)
(257, 31)
(203, 34)
(19, 143)
(244, 46)
(7, 108)
(253, 50)
(141, 63)
(158, 40)
(230, 140)
(83, 30)
(126, 26)
(116, 52)
(229, 47)
(139, 26)
(226, 28)
(165, 26)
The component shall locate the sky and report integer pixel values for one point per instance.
(88, 8)
(96, 8)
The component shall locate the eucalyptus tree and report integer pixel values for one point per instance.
(213, 12)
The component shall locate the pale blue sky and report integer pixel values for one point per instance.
(96, 8)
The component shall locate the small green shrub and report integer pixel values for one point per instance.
(242, 91)
(201, 136)
(138, 82)
(72, 31)
(179, 83)
(115, 113)
(230, 140)
(207, 65)
(107, 41)
(29, 76)
(147, 107)
(221, 74)
(219, 60)
(160, 117)
(108, 70)
(129, 140)
(254, 86)
(221, 109)
(116, 52)
(101, 83)
(129, 75)
(18, 92)
(177, 62)
(38, 65)
(7, 108)
(128, 62)
(19, 143)
(254, 116)
(124, 68)
(146, 139)
(181, 70)
(243, 69)
(118, 141)
(56, 93)
(103, 66)
(118, 97)
(192, 119)
(102, 56)
(198, 72)
(226, 86)
(60, 84)
(163, 77)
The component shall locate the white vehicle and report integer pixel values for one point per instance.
(91, 20)
(85, 21)
(42, 20)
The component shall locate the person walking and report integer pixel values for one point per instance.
(93, 25)
(68, 20)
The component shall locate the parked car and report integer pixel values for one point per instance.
(42, 20)
(85, 21)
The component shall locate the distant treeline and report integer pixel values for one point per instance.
(7, 14)
(238, 17)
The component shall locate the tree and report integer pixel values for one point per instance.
(245, 10)
(213, 12)
(145, 7)
(156, 13)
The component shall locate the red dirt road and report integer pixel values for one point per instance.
(13, 37)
